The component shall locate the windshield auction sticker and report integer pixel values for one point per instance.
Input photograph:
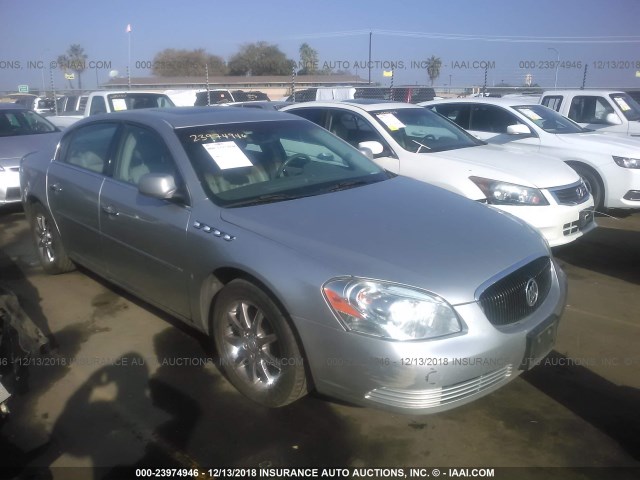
(530, 114)
(119, 104)
(227, 155)
(624, 106)
(391, 121)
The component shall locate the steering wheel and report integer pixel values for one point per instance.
(300, 158)
(428, 138)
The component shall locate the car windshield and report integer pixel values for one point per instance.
(420, 130)
(549, 120)
(132, 101)
(23, 122)
(262, 162)
(630, 108)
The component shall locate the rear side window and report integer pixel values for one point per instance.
(552, 101)
(455, 112)
(89, 146)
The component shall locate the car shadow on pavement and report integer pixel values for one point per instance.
(613, 409)
(609, 251)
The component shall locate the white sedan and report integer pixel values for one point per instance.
(414, 142)
(609, 165)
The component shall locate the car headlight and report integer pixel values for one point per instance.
(389, 310)
(626, 162)
(504, 193)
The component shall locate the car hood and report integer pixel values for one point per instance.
(399, 230)
(511, 165)
(12, 149)
(603, 143)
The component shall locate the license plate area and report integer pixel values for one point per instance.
(540, 341)
(585, 219)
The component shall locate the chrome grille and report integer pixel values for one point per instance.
(505, 301)
(571, 195)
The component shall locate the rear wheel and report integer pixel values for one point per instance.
(51, 253)
(258, 349)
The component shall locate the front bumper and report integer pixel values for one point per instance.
(10, 185)
(421, 377)
(559, 224)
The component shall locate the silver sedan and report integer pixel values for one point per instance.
(310, 267)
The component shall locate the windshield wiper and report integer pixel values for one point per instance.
(347, 185)
(262, 199)
(421, 145)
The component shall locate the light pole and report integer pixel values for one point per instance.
(555, 85)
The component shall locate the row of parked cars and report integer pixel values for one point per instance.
(372, 251)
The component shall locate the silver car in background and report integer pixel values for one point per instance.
(310, 267)
(22, 131)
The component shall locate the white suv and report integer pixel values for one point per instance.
(609, 165)
(412, 141)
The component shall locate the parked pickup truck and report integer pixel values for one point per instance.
(606, 111)
(113, 101)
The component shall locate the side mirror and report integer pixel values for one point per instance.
(157, 185)
(374, 146)
(612, 119)
(366, 152)
(518, 129)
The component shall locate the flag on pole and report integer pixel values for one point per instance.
(128, 28)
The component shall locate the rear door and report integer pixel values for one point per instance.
(145, 238)
(74, 181)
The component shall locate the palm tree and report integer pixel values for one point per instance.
(75, 60)
(433, 68)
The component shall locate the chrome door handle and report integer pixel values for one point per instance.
(110, 210)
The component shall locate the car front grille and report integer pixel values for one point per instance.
(505, 301)
(571, 195)
(435, 397)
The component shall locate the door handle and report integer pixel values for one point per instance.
(110, 210)
(55, 187)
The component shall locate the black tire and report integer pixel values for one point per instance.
(258, 351)
(51, 253)
(593, 183)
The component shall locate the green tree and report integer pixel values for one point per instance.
(73, 60)
(260, 58)
(433, 68)
(308, 60)
(187, 63)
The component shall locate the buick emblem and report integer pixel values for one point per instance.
(531, 292)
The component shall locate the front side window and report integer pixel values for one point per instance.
(489, 118)
(140, 152)
(260, 162)
(89, 147)
(458, 113)
(420, 130)
(590, 109)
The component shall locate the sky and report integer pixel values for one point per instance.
(506, 39)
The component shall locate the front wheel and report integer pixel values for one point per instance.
(593, 183)
(258, 349)
(51, 253)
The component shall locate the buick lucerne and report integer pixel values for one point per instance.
(309, 266)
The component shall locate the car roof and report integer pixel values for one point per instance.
(178, 117)
(12, 106)
(581, 92)
(368, 105)
(504, 101)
